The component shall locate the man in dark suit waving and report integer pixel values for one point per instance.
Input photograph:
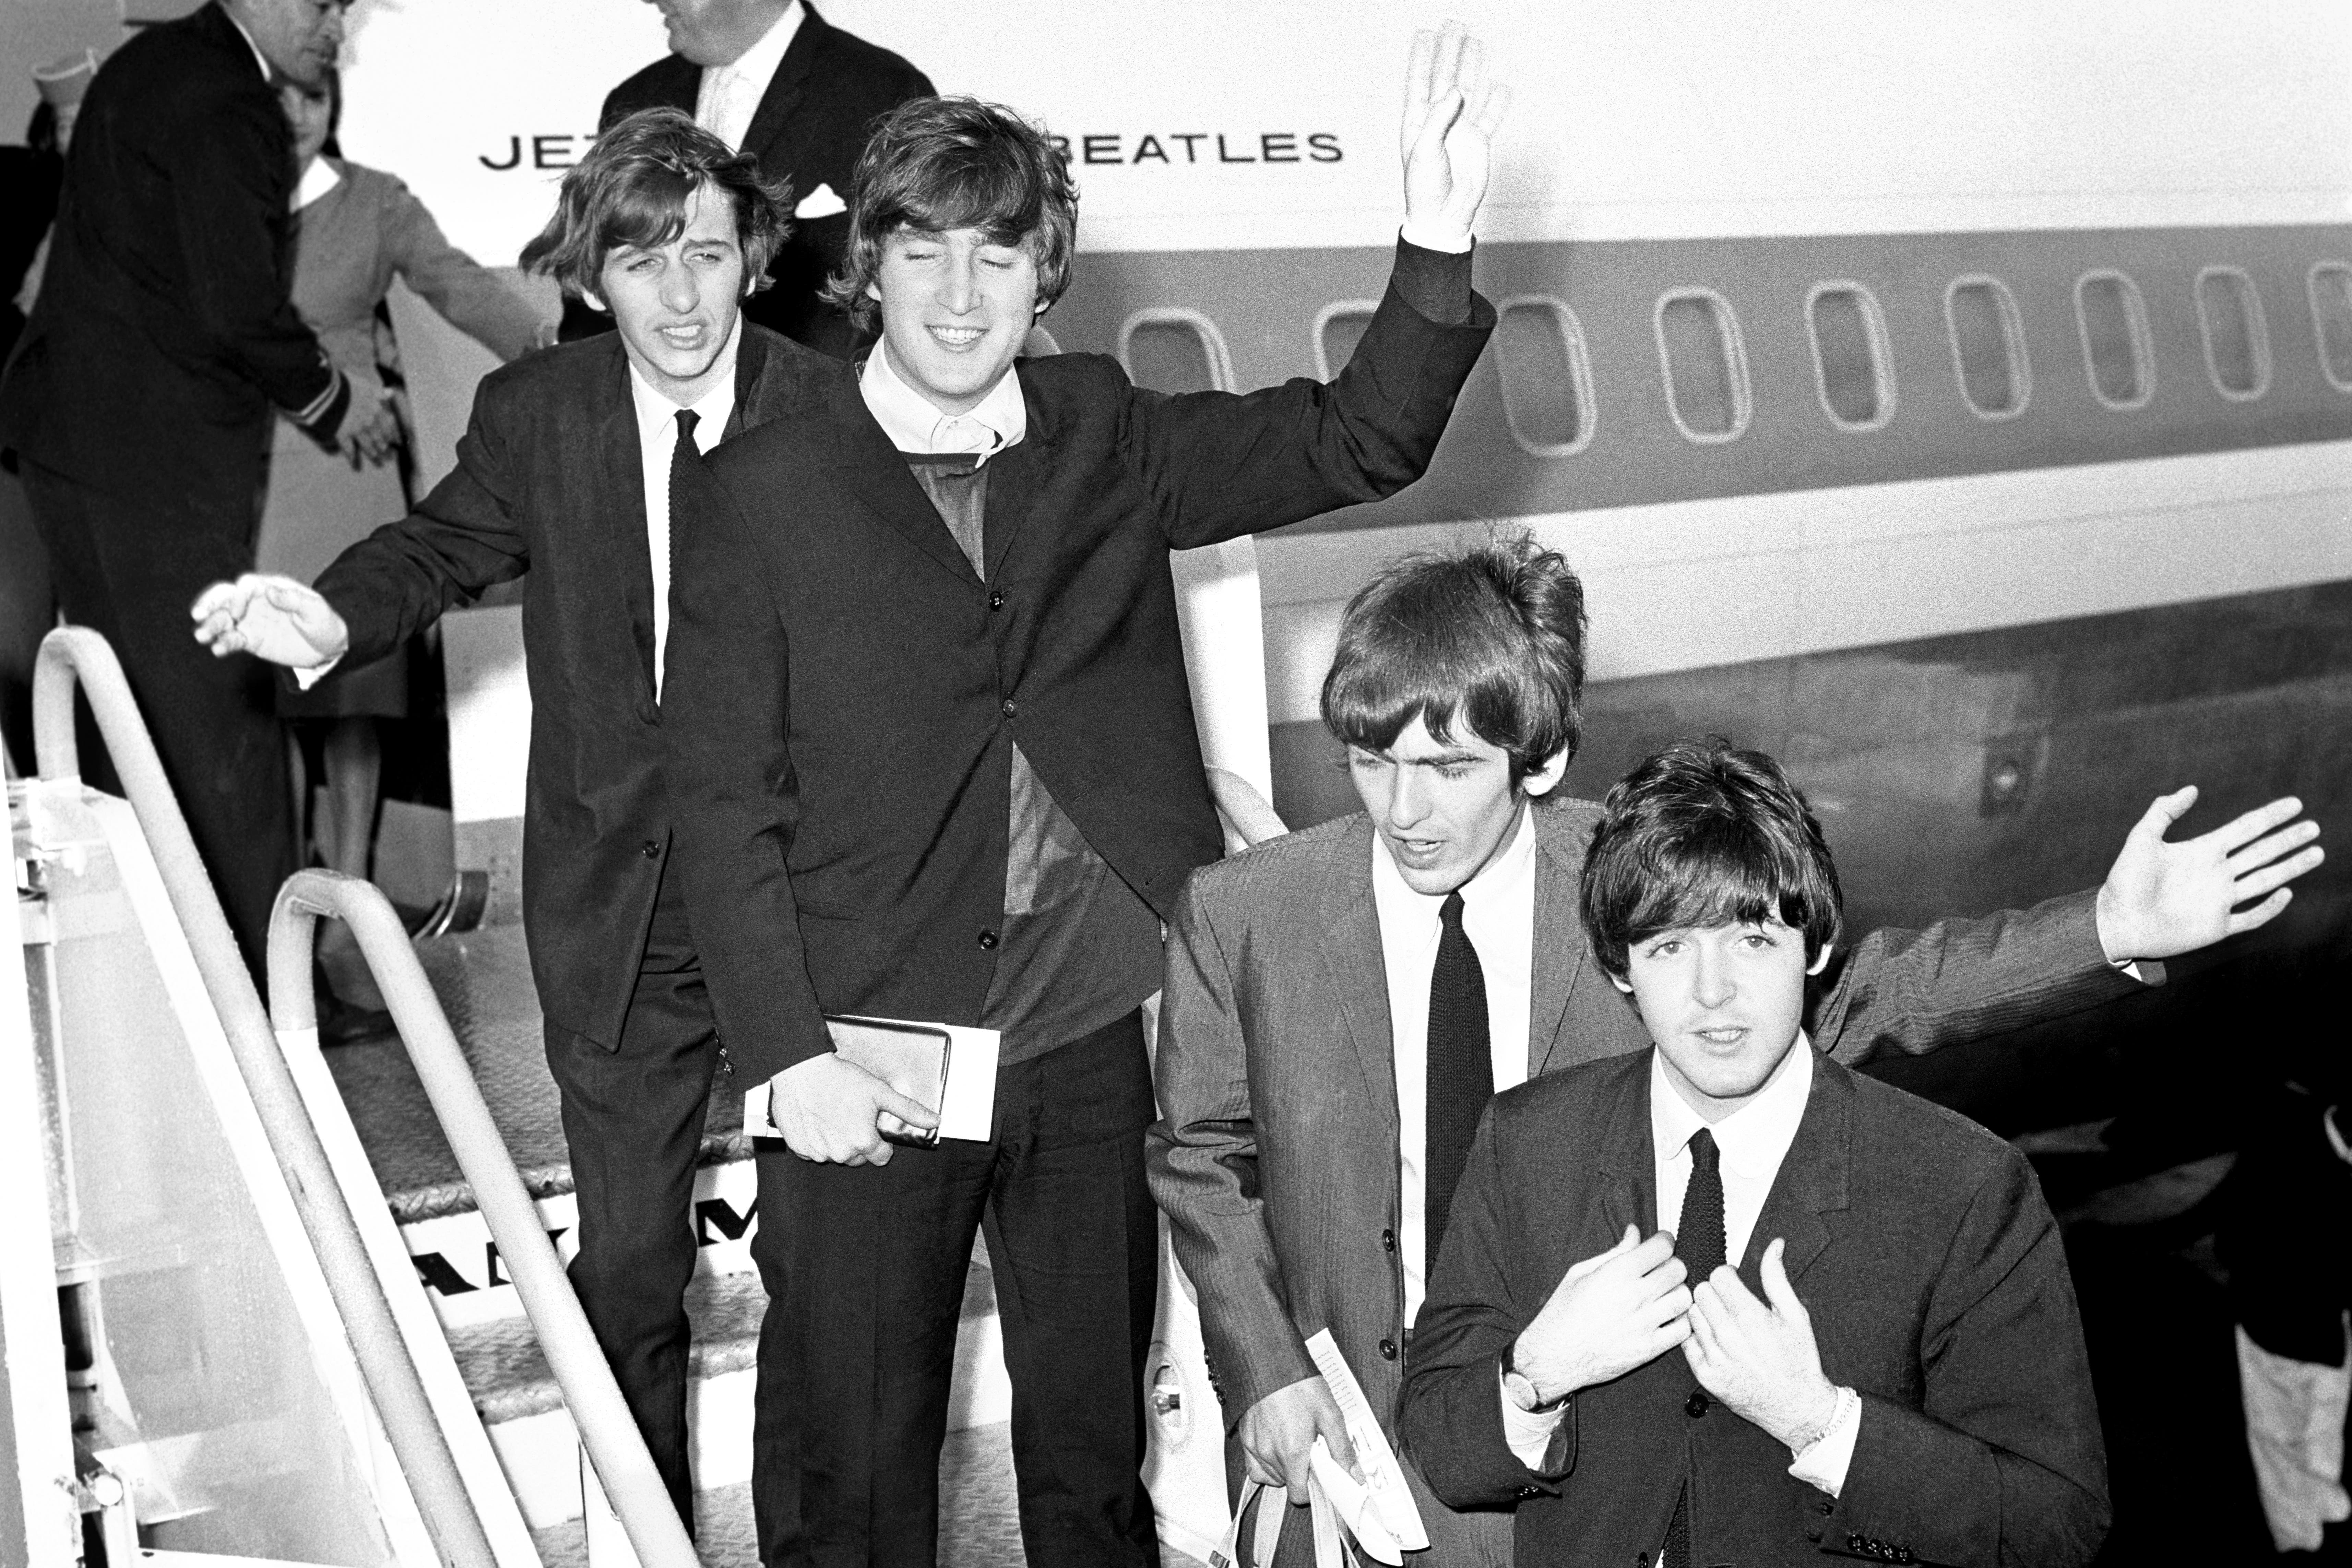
(139, 401)
(569, 472)
(773, 79)
(931, 708)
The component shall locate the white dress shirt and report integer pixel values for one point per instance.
(730, 94)
(1498, 916)
(657, 440)
(1751, 1143)
(915, 425)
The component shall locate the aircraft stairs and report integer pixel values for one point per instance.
(360, 1350)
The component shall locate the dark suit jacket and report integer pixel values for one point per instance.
(549, 480)
(809, 127)
(1276, 1153)
(163, 333)
(847, 690)
(1937, 1288)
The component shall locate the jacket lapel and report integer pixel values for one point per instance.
(1560, 949)
(1622, 1161)
(1812, 1179)
(785, 90)
(621, 479)
(875, 473)
(751, 383)
(1351, 951)
(1014, 475)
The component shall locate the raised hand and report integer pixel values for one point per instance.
(1610, 1313)
(2161, 899)
(829, 1111)
(1278, 1433)
(271, 617)
(1451, 114)
(1758, 1357)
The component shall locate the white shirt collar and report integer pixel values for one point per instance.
(1496, 880)
(1752, 1140)
(259, 59)
(758, 64)
(317, 179)
(915, 425)
(654, 408)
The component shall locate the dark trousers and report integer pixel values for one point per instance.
(634, 1118)
(864, 1269)
(128, 572)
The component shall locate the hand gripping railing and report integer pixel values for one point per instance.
(73, 653)
(606, 1428)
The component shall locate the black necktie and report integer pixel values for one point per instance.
(1461, 1069)
(1699, 1243)
(683, 458)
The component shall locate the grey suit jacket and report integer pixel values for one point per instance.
(1275, 1153)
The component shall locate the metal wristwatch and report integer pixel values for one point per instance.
(1521, 1387)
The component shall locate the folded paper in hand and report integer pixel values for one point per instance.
(1380, 1513)
(948, 1068)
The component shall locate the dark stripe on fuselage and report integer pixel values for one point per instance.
(1266, 303)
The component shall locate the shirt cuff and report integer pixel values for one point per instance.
(1433, 280)
(306, 679)
(1528, 1433)
(1824, 1462)
(759, 1121)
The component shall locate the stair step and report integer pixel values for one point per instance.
(980, 1525)
(483, 980)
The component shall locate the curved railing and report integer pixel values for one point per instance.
(75, 656)
(606, 1430)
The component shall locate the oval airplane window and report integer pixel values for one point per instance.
(1175, 350)
(1546, 380)
(1338, 328)
(2116, 350)
(1853, 367)
(1987, 347)
(2331, 318)
(2237, 343)
(1705, 364)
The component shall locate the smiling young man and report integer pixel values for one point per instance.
(1850, 1327)
(1341, 1003)
(569, 472)
(943, 764)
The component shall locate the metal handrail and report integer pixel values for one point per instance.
(606, 1428)
(72, 656)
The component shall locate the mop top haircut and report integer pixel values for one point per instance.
(934, 165)
(1489, 639)
(633, 189)
(1705, 834)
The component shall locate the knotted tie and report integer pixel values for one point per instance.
(1699, 1243)
(683, 458)
(1461, 1069)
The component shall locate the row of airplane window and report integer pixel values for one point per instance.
(1547, 392)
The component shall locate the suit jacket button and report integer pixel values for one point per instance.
(1903, 1554)
(988, 941)
(1853, 1542)
(1696, 1405)
(1388, 1240)
(650, 850)
(1010, 707)
(1530, 1491)
(1828, 1509)
(1388, 1350)
(996, 599)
